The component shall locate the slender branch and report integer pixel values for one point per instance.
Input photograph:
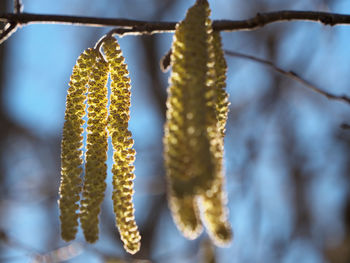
(28, 18)
(8, 30)
(260, 20)
(18, 6)
(290, 74)
(345, 126)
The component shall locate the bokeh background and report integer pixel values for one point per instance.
(287, 158)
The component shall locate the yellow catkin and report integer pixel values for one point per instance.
(96, 150)
(185, 212)
(71, 153)
(124, 154)
(190, 140)
(214, 202)
(191, 125)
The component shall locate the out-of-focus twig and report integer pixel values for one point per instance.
(18, 6)
(290, 74)
(8, 30)
(345, 126)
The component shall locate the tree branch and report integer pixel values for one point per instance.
(152, 27)
(8, 30)
(18, 6)
(292, 75)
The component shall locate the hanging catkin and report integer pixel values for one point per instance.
(71, 153)
(195, 127)
(124, 154)
(214, 202)
(96, 154)
(190, 126)
(188, 158)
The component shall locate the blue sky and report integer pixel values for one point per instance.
(39, 62)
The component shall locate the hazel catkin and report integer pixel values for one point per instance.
(191, 122)
(197, 109)
(213, 203)
(96, 150)
(191, 117)
(124, 154)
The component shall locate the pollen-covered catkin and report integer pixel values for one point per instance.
(191, 124)
(191, 141)
(71, 153)
(96, 150)
(214, 202)
(195, 127)
(124, 154)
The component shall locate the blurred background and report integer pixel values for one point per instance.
(287, 158)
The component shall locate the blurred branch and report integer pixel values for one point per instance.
(290, 74)
(137, 27)
(8, 30)
(345, 126)
(18, 6)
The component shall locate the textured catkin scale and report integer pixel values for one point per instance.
(124, 154)
(213, 203)
(186, 215)
(71, 153)
(222, 102)
(96, 154)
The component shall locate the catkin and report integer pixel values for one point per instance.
(71, 153)
(96, 154)
(190, 127)
(195, 127)
(124, 154)
(214, 202)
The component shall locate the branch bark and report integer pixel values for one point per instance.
(152, 27)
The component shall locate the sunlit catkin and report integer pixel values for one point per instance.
(190, 125)
(124, 154)
(96, 150)
(214, 202)
(71, 153)
(190, 140)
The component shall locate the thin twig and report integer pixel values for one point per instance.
(345, 126)
(18, 6)
(8, 30)
(137, 27)
(260, 20)
(290, 74)
(27, 18)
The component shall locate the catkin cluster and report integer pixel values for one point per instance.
(72, 142)
(197, 109)
(89, 84)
